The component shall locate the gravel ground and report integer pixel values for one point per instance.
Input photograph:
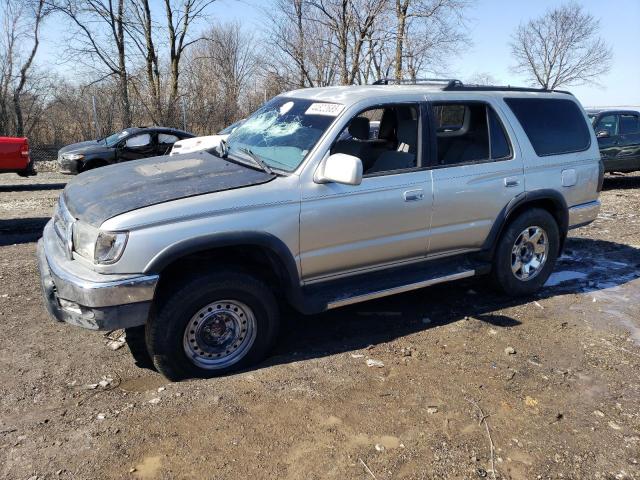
(551, 382)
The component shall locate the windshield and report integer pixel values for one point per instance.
(111, 140)
(283, 131)
(229, 130)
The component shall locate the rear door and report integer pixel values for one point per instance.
(165, 142)
(476, 173)
(629, 154)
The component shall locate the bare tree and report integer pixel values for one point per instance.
(482, 78)
(429, 30)
(561, 47)
(21, 22)
(99, 41)
(38, 15)
(220, 71)
(142, 35)
(181, 17)
(288, 35)
(351, 22)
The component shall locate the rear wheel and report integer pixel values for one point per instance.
(526, 253)
(212, 325)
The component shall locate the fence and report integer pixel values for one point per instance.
(44, 152)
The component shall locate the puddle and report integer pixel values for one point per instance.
(557, 278)
(142, 384)
(148, 468)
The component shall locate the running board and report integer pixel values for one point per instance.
(399, 289)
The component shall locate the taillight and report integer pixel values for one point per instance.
(600, 175)
(25, 149)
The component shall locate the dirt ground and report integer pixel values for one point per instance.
(555, 378)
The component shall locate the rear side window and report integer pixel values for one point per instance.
(469, 133)
(166, 138)
(629, 124)
(553, 125)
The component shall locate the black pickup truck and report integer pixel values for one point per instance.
(618, 133)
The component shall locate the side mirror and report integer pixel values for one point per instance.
(602, 134)
(340, 168)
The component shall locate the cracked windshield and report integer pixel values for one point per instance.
(283, 131)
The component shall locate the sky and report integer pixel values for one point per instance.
(490, 25)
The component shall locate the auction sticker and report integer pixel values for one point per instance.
(327, 109)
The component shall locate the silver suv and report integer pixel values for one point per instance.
(303, 205)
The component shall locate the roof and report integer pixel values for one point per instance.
(598, 111)
(354, 93)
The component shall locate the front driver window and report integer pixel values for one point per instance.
(609, 124)
(385, 138)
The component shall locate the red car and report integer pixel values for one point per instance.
(14, 156)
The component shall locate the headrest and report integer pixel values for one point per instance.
(359, 128)
(388, 125)
(407, 136)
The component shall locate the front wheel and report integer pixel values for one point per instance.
(526, 253)
(212, 325)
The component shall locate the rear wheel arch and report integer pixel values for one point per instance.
(549, 200)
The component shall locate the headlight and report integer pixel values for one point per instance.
(84, 239)
(109, 246)
(99, 247)
(72, 156)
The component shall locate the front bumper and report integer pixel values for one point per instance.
(77, 295)
(584, 214)
(69, 167)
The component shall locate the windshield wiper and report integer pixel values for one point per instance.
(257, 160)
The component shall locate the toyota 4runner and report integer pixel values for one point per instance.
(301, 206)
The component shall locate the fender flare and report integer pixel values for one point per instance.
(521, 200)
(286, 263)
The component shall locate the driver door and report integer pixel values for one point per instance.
(348, 229)
(137, 146)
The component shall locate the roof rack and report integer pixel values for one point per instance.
(452, 84)
(459, 86)
(417, 81)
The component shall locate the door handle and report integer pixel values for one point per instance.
(511, 182)
(413, 195)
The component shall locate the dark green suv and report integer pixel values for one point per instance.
(618, 133)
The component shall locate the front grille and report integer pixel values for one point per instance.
(63, 225)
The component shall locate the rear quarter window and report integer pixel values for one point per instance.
(553, 125)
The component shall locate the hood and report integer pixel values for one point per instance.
(85, 147)
(100, 194)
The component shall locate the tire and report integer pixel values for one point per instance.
(212, 325)
(510, 272)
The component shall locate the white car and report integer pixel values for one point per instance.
(197, 144)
